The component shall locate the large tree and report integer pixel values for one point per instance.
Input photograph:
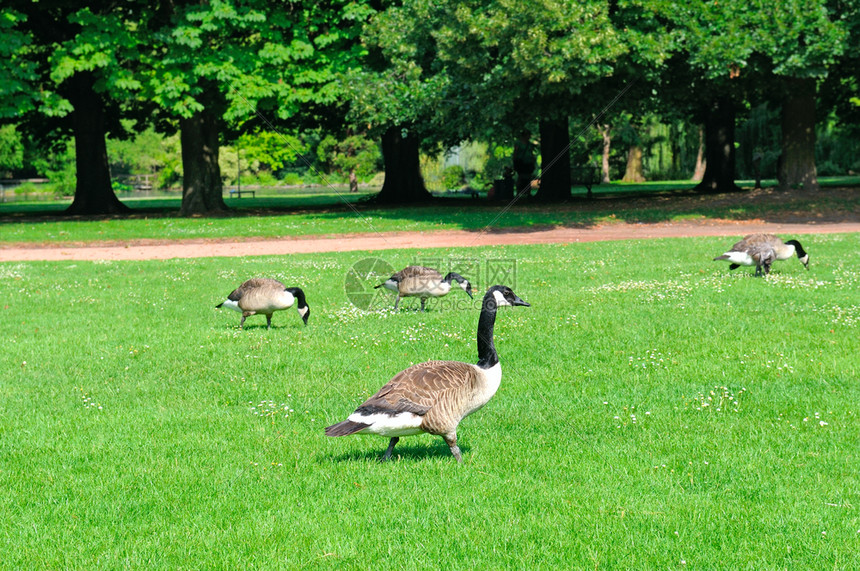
(221, 66)
(801, 41)
(494, 70)
(66, 73)
(731, 51)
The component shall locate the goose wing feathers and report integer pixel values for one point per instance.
(255, 284)
(762, 253)
(419, 272)
(421, 387)
(755, 240)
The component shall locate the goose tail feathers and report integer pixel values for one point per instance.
(345, 428)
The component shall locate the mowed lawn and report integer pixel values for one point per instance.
(656, 412)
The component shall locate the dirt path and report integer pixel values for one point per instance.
(161, 250)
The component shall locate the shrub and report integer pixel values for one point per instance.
(453, 177)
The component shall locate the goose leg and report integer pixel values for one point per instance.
(269, 321)
(758, 271)
(423, 301)
(242, 323)
(396, 303)
(391, 443)
(451, 441)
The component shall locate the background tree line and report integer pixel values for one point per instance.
(729, 87)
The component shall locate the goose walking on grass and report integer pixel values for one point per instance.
(418, 281)
(762, 250)
(435, 396)
(265, 296)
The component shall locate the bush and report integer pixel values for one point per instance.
(453, 177)
(292, 179)
(121, 186)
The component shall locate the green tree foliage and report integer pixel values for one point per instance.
(227, 63)
(467, 69)
(64, 67)
(11, 150)
(356, 157)
(733, 50)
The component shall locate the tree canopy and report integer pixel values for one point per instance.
(422, 74)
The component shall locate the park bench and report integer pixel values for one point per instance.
(239, 193)
(585, 176)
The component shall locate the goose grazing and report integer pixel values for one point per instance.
(761, 250)
(266, 296)
(418, 281)
(435, 396)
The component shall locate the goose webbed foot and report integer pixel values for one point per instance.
(268, 322)
(391, 443)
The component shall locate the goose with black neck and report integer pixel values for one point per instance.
(433, 397)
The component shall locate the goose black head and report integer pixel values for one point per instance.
(301, 303)
(464, 284)
(801, 253)
(503, 295)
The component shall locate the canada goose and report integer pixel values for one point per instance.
(761, 250)
(266, 296)
(418, 281)
(435, 396)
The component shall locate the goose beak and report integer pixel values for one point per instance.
(519, 301)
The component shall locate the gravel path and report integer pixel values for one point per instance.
(161, 250)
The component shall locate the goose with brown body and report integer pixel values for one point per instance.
(435, 396)
(265, 296)
(423, 282)
(762, 250)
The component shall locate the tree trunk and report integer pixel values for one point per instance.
(93, 191)
(555, 160)
(719, 173)
(699, 171)
(633, 173)
(797, 163)
(606, 132)
(202, 191)
(403, 182)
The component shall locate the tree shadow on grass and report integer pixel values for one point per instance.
(633, 205)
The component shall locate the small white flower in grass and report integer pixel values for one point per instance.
(822, 423)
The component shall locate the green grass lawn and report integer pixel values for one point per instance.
(656, 412)
(321, 213)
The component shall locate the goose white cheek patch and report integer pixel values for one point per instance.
(500, 299)
(234, 305)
